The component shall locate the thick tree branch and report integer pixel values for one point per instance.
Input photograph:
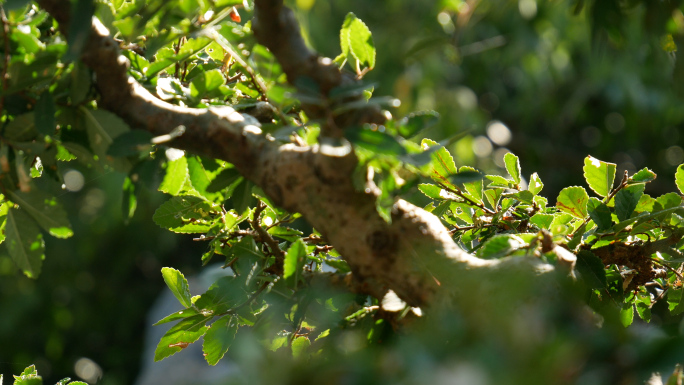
(414, 255)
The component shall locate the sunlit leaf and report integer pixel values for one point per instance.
(185, 214)
(218, 339)
(181, 335)
(512, 164)
(599, 175)
(178, 284)
(573, 200)
(294, 261)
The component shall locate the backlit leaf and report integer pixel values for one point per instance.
(180, 336)
(178, 284)
(218, 339)
(24, 242)
(599, 175)
(512, 164)
(573, 200)
(45, 209)
(679, 178)
(175, 177)
(294, 261)
(185, 214)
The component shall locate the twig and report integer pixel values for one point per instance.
(266, 237)
(678, 274)
(460, 194)
(623, 183)
(5, 29)
(457, 228)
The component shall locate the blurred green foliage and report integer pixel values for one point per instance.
(549, 80)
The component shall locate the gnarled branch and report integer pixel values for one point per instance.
(414, 256)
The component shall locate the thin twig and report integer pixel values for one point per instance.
(623, 183)
(266, 237)
(460, 194)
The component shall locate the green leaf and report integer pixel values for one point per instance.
(102, 126)
(469, 177)
(45, 114)
(218, 339)
(206, 82)
(186, 214)
(24, 242)
(129, 202)
(643, 305)
(180, 314)
(442, 163)
(512, 164)
(642, 176)
(431, 191)
(180, 335)
(225, 294)
(543, 221)
(375, 141)
(175, 177)
(417, 122)
(178, 284)
(191, 47)
(522, 196)
(294, 262)
(669, 200)
(493, 195)
(299, 346)
(46, 210)
(599, 175)
(600, 214)
(356, 39)
(79, 32)
(500, 245)
(130, 143)
(499, 181)
(591, 269)
(285, 233)
(21, 129)
(679, 178)
(535, 185)
(675, 301)
(626, 200)
(573, 200)
(627, 316)
(223, 180)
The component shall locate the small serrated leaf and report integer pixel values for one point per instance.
(24, 242)
(599, 175)
(175, 177)
(679, 178)
(442, 163)
(431, 191)
(294, 261)
(181, 335)
(185, 214)
(591, 269)
(642, 176)
(600, 214)
(178, 284)
(218, 339)
(573, 200)
(299, 346)
(500, 245)
(626, 200)
(357, 39)
(46, 210)
(512, 164)
(535, 185)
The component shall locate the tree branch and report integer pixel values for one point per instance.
(414, 256)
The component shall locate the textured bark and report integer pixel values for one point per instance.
(414, 255)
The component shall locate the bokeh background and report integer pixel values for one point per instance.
(551, 81)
